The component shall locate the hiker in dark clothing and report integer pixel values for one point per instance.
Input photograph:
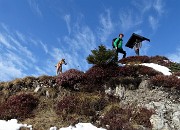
(118, 45)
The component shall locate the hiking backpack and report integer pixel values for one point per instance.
(113, 40)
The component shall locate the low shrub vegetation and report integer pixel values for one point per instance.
(71, 77)
(118, 118)
(165, 81)
(175, 67)
(81, 104)
(137, 71)
(161, 60)
(135, 60)
(18, 106)
(97, 75)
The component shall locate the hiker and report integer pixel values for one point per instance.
(137, 46)
(118, 45)
(135, 42)
(59, 66)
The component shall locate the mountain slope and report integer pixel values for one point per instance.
(130, 96)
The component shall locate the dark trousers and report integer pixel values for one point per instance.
(121, 51)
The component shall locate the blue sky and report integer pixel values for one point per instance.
(36, 34)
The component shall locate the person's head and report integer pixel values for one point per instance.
(64, 62)
(121, 35)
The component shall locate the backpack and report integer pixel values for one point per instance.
(113, 40)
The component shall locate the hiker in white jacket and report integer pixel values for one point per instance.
(137, 46)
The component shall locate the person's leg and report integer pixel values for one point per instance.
(60, 69)
(137, 52)
(116, 55)
(123, 52)
(57, 71)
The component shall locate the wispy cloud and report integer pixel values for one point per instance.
(19, 54)
(106, 25)
(76, 47)
(39, 71)
(35, 7)
(153, 22)
(21, 36)
(143, 5)
(22, 49)
(44, 46)
(9, 71)
(145, 47)
(67, 19)
(175, 57)
(138, 31)
(128, 20)
(5, 42)
(159, 6)
(151, 9)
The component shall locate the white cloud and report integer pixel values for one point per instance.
(44, 46)
(145, 47)
(143, 6)
(15, 60)
(159, 6)
(153, 22)
(106, 26)
(128, 20)
(35, 7)
(175, 57)
(22, 49)
(40, 71)
(9, 71)
(67, 19)
(19, 55)
(138, 31)
(75, 48)
(21, 36)
(5, 42)
(148, 9)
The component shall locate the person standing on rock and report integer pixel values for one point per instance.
(137, 46)
(118, 45)
(59, 66)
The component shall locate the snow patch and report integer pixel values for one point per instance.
(160, 68)
(82, 126)
(12, 125)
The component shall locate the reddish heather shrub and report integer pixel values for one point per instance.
(97, 75)
(176, 73)
(67, 105)
(161, 60)
(141, 116)
(102, 72)
(137, 71)
(18, 106)
(131, 71)
(70, 78)
(166, 81)
(124, 118)
(117, 119)
(135, 59)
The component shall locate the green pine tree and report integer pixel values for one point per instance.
(102, 56)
